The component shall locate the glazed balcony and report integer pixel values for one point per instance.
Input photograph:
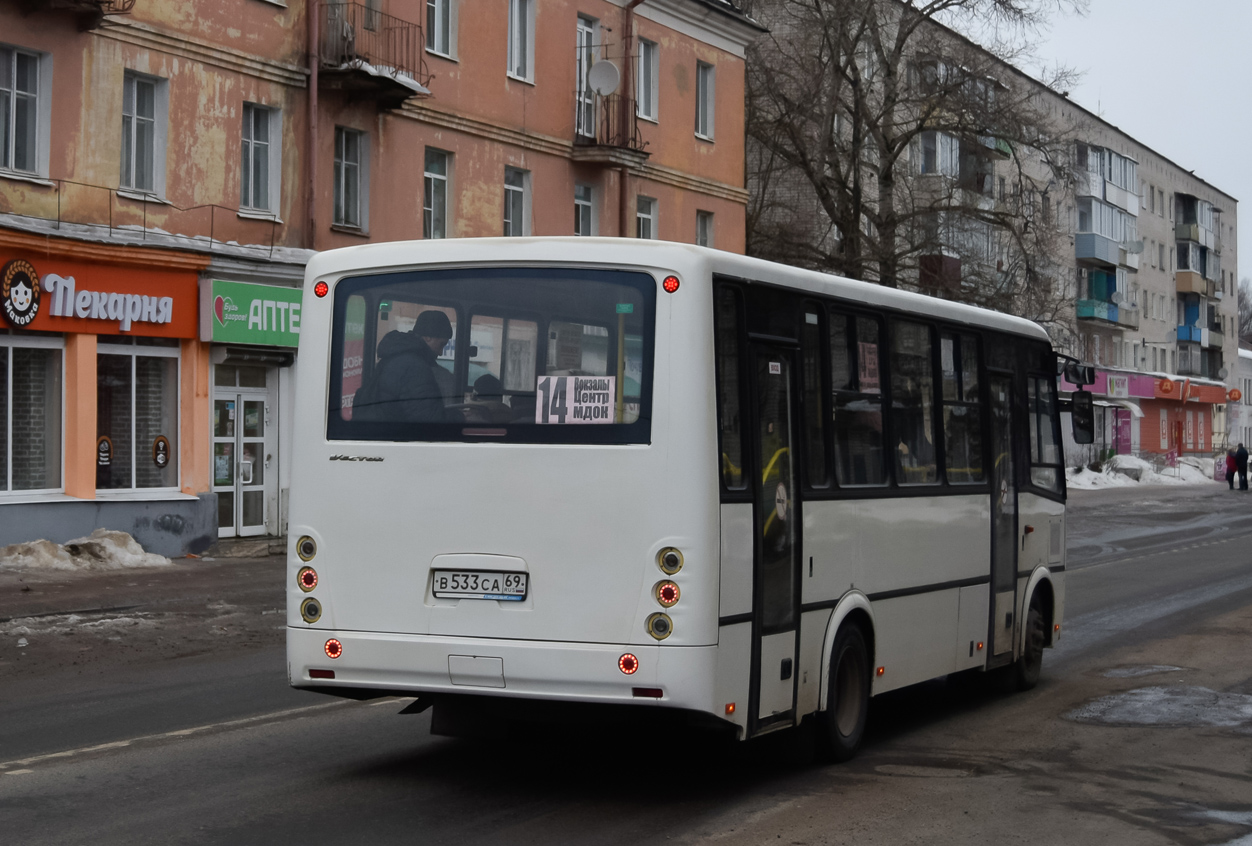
(1089, 246)
(608, 132)
(90, 13)
(369, 55)
(1197, 233)
(1191, 282)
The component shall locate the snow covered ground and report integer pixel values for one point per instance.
(1127, 470)
(104, 550)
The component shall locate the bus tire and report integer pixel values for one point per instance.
(842, 724)
(1031, 660)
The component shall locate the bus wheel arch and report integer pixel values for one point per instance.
(1036, 633)
(847, 679)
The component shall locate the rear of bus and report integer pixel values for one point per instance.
(554, 536)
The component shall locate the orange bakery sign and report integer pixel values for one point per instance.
(98, 299)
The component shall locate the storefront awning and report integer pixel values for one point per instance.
(1135, 410)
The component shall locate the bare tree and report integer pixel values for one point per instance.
(1245, 311)
(884, 145)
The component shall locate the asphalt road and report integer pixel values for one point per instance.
(1140, 731)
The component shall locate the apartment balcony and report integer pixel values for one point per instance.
(1127, 317)
(90, 13)
(1099, 310)
(1193, 334)
(1195, 232)
(1215, 339)
(1091, 247)
(1191, 282)
(608, 133)
(369, 55)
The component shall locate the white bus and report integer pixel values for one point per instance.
(660, 476)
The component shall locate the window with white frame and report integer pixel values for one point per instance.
(439, 26)
(585, 57)
(583, 221)
(645, 217)
(521, 39)
(704, 228)
(20, 110)
(939, 153)
(351, 178)
(705, 93)
(136, 406)
(260, 167)
(515, 201)
(143, 133)
(435, 202)
(30, 414)
(646, 93)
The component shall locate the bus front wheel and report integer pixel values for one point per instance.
(1031, 661)
(847, 703)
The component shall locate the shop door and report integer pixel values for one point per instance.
(245, 473)
(777, 537)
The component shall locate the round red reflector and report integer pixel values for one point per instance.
(667, 593)
(321, 289)
(333, 648)
(670, 284)
(628, 663)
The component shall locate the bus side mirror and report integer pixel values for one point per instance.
(1082, 417)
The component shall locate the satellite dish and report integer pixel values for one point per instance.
(1133, 246)
(604, 78)
(1223, 373)
(1117, 297)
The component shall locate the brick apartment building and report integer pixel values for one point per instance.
(166, 171)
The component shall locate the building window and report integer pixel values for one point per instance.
(521, 38)
(704, 100)
(515, 201)
(351, 174)
(136, 407)
(143, 136)
(645, 217)
(260, 169)
(439, 26)
(435, 202)
(19, 110)
(646, 81)
(941, 153)
(584, 97)
(30, 414)
(704, 228)
(582, 210)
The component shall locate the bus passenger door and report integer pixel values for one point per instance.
(1003, 516)
(776, 522)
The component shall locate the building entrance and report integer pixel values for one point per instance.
(245, 466)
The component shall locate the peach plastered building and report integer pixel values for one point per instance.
(167, 169)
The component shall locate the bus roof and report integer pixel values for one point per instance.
(573, 250)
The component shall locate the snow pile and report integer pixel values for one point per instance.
(104, 550)
(1122, 470)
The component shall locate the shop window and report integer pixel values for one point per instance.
(136, 417)
(30, 415)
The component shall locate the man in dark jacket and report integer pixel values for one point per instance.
(1241, 464)
(408, 387)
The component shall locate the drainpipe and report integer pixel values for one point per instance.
(628, 81)
(312, 8)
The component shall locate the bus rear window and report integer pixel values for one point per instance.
(526, 355)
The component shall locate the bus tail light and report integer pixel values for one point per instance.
(881, 670)
(667, 593)
(670, 284)
(306, 579)
(321, 289)
(647, 692)
(628, 664)
(333, 648)
(321, 674)
(660, 626)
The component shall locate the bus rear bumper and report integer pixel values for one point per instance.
(419, 665)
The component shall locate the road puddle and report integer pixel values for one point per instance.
(1168, 706)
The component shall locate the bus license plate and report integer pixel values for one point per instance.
(459, 584)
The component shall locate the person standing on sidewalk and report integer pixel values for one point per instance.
(1230, 468)
(1241, 464)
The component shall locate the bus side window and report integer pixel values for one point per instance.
(856, 397)
(912, 401)
(729, 421)
(1045, 450)
(814, 416)
(962, 419)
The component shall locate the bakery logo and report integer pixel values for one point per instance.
(20, 292)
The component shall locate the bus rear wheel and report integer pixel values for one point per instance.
(1031, 662)
(847, 705)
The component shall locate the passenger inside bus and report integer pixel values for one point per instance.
(408, 382)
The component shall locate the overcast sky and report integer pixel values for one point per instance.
(1175, 75)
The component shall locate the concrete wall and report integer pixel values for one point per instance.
(171, 528)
